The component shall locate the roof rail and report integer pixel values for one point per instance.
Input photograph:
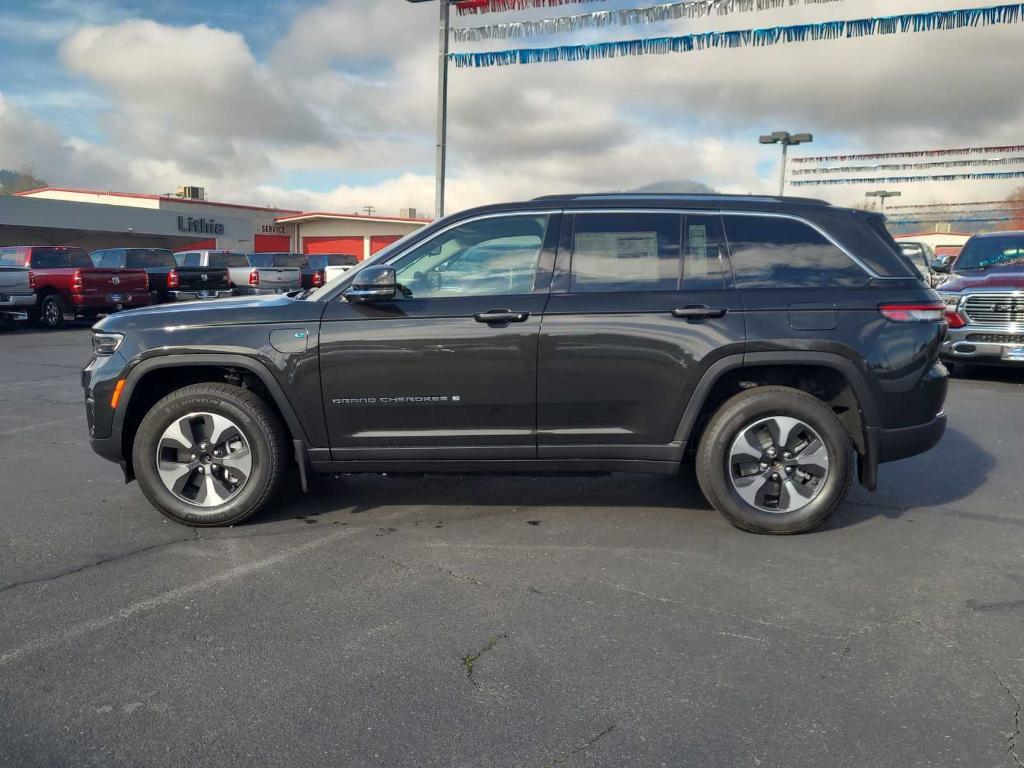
(683, 197)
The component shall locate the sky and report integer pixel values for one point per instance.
(330, 105)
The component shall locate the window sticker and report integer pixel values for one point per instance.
(697, 250)
(624, 255)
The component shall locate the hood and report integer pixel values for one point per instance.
(1008, 278)
(239, 310)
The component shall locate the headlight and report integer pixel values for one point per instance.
(952, 300)
(105, 344)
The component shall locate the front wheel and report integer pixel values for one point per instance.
(209, 454)
(775, 460)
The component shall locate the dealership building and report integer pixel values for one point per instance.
(187, 221)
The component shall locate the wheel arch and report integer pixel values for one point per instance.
(155, 377)
(839, 380)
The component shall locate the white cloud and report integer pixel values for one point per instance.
(349, 89)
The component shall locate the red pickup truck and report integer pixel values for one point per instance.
(68, 286)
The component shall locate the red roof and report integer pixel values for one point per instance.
(328, 215)
(142, 196)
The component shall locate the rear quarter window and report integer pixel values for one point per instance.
(779, 252)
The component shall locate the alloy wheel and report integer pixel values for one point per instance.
(778, 464)
(203, 459)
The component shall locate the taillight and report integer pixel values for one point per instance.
(32, 281)
(77, 282)
(173, 279)
(318, 278)
(914, 313)
(254, 278)
(955, 319)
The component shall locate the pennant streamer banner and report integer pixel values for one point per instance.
(500, 6)
(936, 221)
(909, 179)
(994, 203)
(828, 30)
(903, 155)
(911, 166)
(690, 9)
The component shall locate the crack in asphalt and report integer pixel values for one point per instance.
(561, 758)
(472, 658)
(1011, 738)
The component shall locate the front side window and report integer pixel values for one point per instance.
(487, 257)
(778, 252)
(625, 252)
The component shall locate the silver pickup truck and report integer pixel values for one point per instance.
(16, 294)
(248, 280)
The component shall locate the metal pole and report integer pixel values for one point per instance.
(782, 172)
(442, 107)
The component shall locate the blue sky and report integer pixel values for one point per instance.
(330, 104)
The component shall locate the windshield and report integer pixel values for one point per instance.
(140, 258)
(277, 259)
(228, 260)
(988, 252)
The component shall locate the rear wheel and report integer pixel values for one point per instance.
(210, 454)
(52, 312)
(775, 460)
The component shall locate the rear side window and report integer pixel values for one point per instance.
(226, 260)
(9, 258)
(189, 259)
(777, 252)
(626, 252)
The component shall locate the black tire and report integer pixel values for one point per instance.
(253, 418)
(738, 414)
(52, 311)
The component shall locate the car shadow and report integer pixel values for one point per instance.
(995, 373)
(921, 481)
(363, 494)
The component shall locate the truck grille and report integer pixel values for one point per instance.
(996, 310)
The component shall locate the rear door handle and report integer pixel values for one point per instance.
(501, 316)
(699, 312)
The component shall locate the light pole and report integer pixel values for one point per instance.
(882, 195)
(442, 104)
(787, 140)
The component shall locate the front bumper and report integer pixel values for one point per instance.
(972, 344)
(218, 293)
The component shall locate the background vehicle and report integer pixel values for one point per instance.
(167, 280)
(285, 263)
(774, 339)
(16, 294)
(922, 257)
(68, 286)
(247, 279)
(330, 264)
(984, 298)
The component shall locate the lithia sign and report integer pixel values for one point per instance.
(202, 226)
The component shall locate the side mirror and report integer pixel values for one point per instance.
(372, 284)
(941, 265)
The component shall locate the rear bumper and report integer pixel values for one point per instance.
(980, 345)
(102, 302)
(896, 444)
(216, 293)
(18, 302)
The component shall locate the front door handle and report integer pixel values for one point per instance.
(501, 316)
(699, 312)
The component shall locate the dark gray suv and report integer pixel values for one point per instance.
(782, 343)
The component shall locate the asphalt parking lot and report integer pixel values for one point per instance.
(505, 621)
